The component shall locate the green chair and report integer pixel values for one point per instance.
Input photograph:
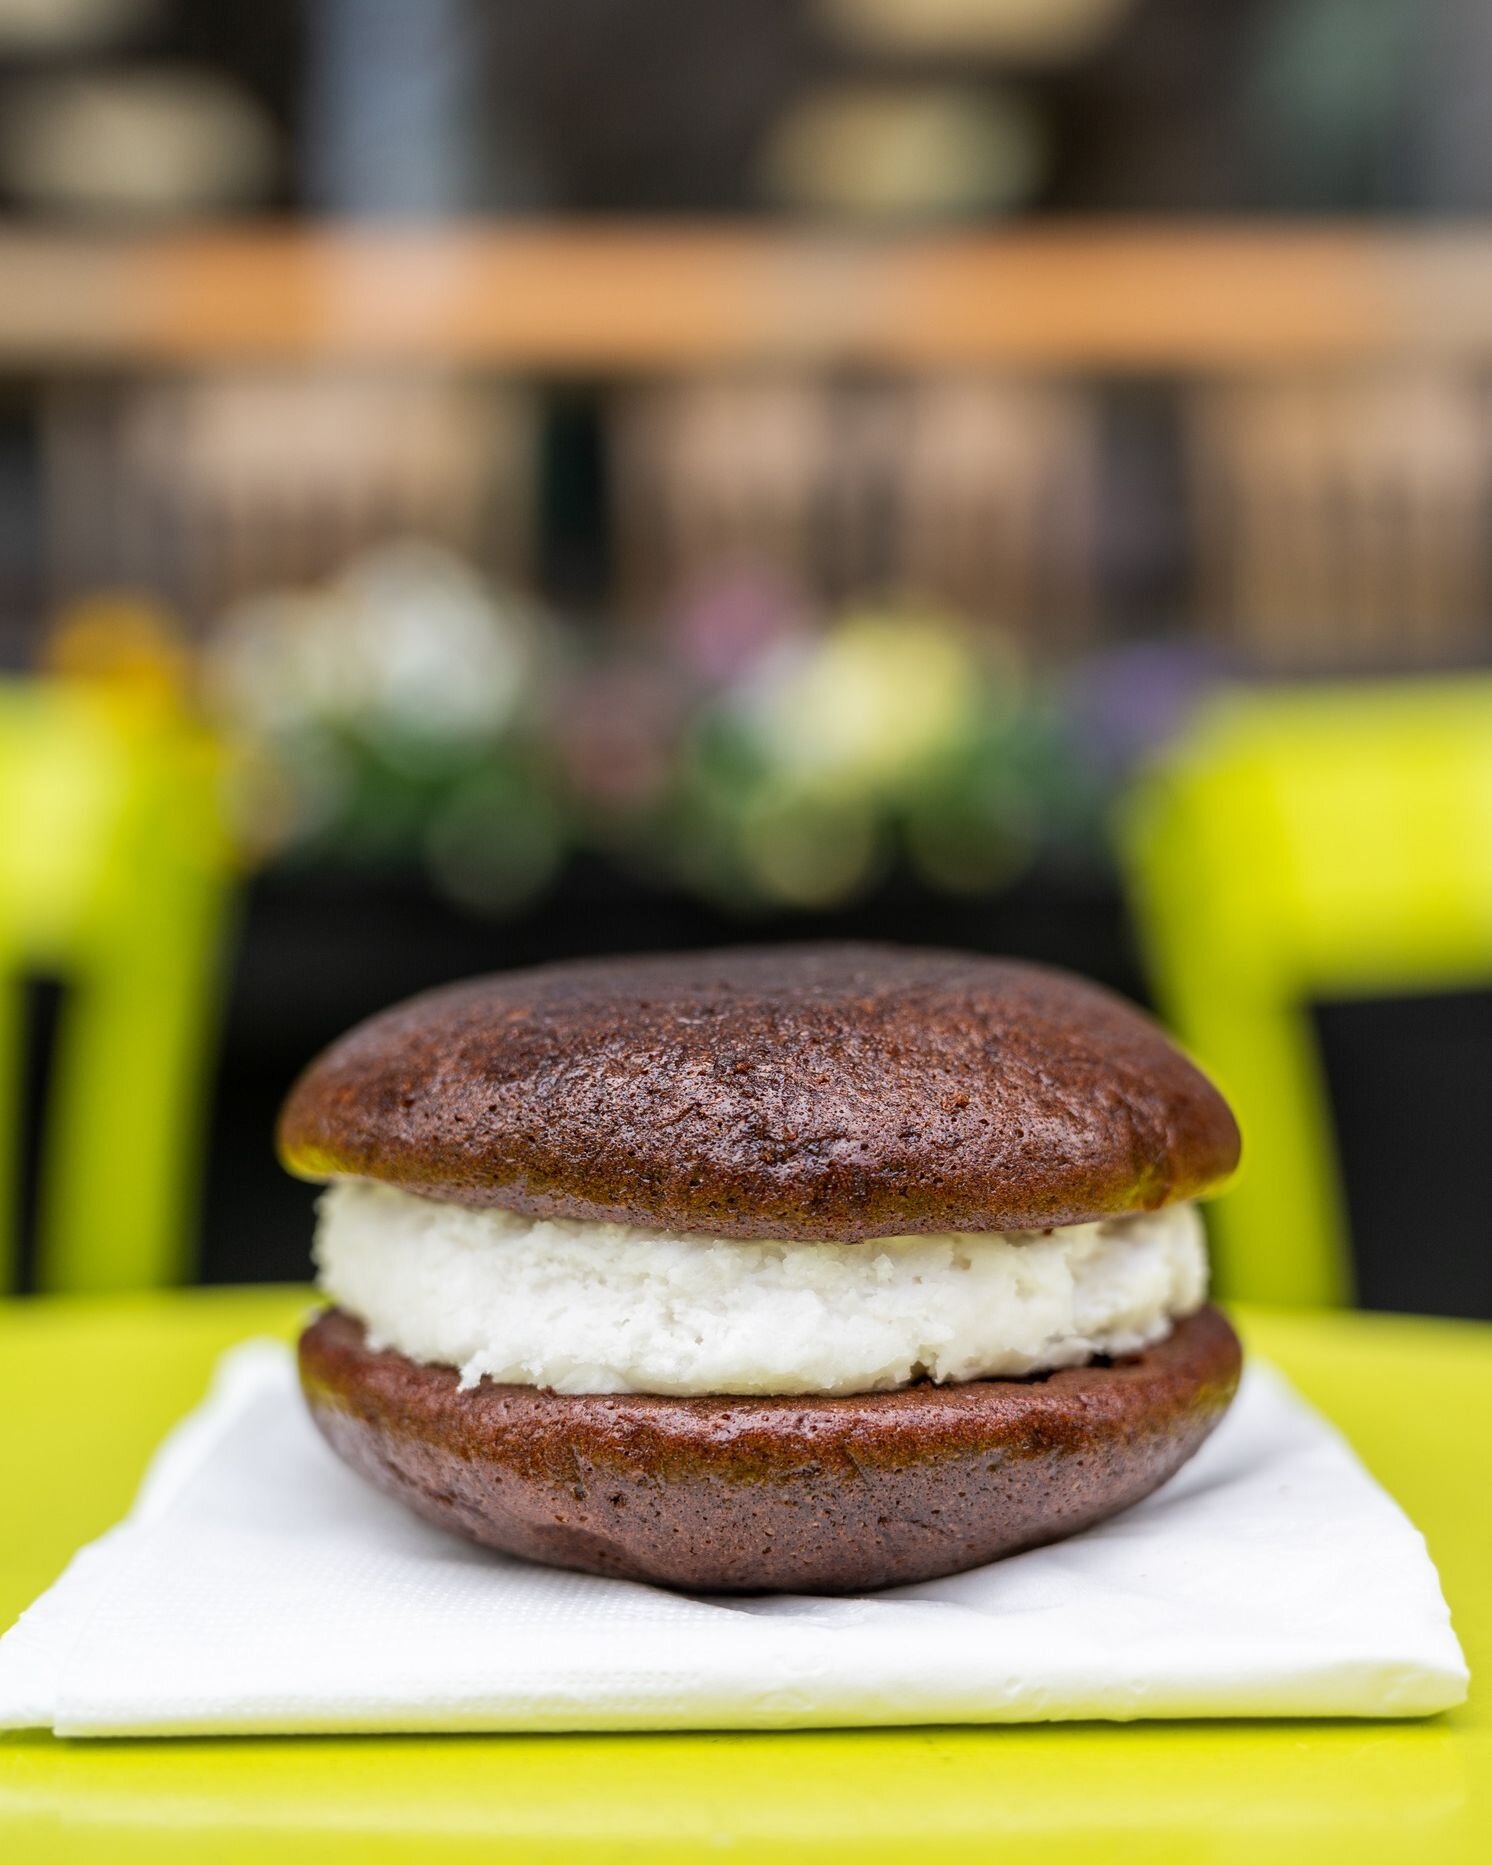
(1300, 846)
(115, 875)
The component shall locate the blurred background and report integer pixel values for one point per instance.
(483, 483)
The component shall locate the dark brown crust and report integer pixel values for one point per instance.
(827, 1092)
(828, 1495)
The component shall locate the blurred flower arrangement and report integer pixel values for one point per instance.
(396, 716)
(410, 715)
(885, 734)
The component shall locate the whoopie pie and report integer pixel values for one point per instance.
(813, 1268)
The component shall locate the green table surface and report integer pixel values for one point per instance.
(88, 1387)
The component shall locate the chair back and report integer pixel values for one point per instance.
(1301, 846)
(114, 879)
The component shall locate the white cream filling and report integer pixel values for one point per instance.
(608, 1308)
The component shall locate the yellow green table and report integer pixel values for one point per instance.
(88, 1387)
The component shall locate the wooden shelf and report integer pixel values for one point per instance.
(579, 299)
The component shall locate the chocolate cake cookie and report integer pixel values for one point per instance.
(825, 1092)
(728, 1495)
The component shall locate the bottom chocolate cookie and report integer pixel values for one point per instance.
(832, 1495)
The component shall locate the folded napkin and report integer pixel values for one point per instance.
(259, 1586)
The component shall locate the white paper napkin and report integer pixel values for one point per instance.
(259, 1586)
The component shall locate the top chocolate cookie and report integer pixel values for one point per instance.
(820, 1091)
